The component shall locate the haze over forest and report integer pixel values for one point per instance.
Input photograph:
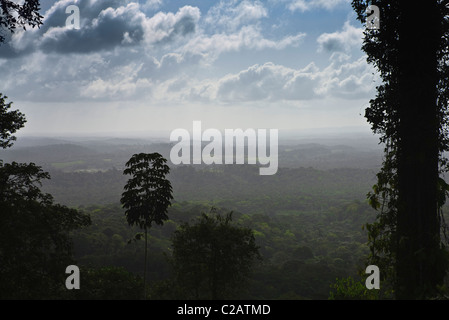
(101, 86)
(306, 217)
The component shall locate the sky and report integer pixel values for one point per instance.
(136, 67)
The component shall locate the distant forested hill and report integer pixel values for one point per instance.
(311, 176)
(100, 155)
(238, 187)
(307, 218)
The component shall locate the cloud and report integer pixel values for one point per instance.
(248, 37)
(121, 54)
(274, 83)
(104, 25)
(268, 82)
(151, 4)
(107, 25)
(126, 88)
(172, 79)
(305, 5)
(234, 25)
(229, 16)
(43, 77)
(351, 80)
(164, 28)
(111, 28)
(341, 41)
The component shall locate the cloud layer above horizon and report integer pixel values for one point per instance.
(192, 58)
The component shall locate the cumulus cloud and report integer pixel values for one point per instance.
(350, 80)
(271, 83)
(104, 25)
(164, 28)
(341, 41)
(151, 4)
(231, 15)
(125, 88)
(111, 28)
(268, 82)
(305, 5)
(120, 54)
(248, 37)
(107, 25)
(54, 29)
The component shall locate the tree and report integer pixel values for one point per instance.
(410, 113)
(351, 289)
(35, 243)
(14, 15)
(10, 122)
(212, 258)
(107, 283)
(147, 194)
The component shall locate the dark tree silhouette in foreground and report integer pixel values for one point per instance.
(35, 243)
(35, 246)
(147, 194)
(10, 122)
(212, 258)
(14, 14)
(410, 50)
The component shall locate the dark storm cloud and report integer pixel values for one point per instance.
(89, 10)
(110, 29)
(104, 25)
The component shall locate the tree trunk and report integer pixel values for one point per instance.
(145, 269)
(418, 227)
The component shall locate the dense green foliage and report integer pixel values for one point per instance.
(302, 252)
(307, 222)
(35, 243)
(212, 257)
(10, 122)
(351, 289)
(410, 113)
(106, 283)
(290, 189)
(147, 194)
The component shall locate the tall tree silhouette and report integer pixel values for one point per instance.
(410, 113)
(147, 194)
